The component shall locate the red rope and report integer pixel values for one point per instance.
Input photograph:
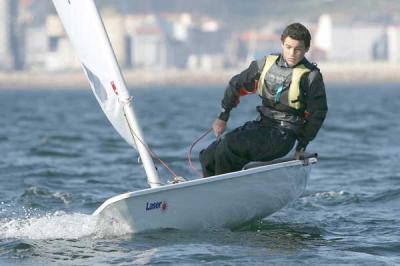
(154, 155)
(190, 152)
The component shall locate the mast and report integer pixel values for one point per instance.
(148, 164)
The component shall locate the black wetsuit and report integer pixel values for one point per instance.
(274, 134)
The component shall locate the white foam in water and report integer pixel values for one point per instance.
(60, 226)
(330, 194)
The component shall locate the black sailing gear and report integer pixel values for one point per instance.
(293, 107)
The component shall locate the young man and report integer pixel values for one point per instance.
(293, 108)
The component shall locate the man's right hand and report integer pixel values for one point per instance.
(299, 155)
(219, 127)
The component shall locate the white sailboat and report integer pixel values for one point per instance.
(226, 200)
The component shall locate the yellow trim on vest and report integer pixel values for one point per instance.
(294, 89)
(269, 61)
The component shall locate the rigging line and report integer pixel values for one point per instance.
(190, 152)
(153, 154)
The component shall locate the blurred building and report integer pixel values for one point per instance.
(35, 48)
(177, 27)
(206, 46)
(358, 44)
(46, 46)
(182, 40)
(322, 38)
(174, 40)
(350, 43)
(145, 42)
(115, 26)
(256, 44)
(8, 40)
(148, 49)
(59, 54)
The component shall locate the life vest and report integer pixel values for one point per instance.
(286, 92)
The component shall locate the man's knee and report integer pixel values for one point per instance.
(207, 162)
(207, 154)
(202, 156)
(225, 147)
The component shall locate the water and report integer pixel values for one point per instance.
(60, 159)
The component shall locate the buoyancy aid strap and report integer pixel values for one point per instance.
(269, 61)
(294, 90)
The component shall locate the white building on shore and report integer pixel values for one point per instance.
(145, 45)
(393, 33)
(35, 48)
(60, 54)
(359, 43)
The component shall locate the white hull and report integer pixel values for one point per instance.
(221, 201)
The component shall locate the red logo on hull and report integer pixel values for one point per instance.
(164, 206)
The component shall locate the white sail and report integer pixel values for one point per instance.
(86, 31)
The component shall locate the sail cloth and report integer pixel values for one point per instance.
(98, 60)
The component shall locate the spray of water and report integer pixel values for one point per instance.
(60, 225)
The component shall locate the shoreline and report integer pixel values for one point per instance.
(374, 73)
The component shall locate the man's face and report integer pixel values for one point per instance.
(293, 51)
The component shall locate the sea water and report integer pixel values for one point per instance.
(60, 159)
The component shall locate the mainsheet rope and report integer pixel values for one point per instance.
(154, 155)
(190, 151)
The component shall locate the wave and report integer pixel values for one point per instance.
(329, 198)
(320, 200)
(34, 193)
(330, 194)
(386, 249)
(343, 197)
(385, 196)
(54, 152)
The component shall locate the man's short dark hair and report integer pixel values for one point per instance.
(298, 32)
